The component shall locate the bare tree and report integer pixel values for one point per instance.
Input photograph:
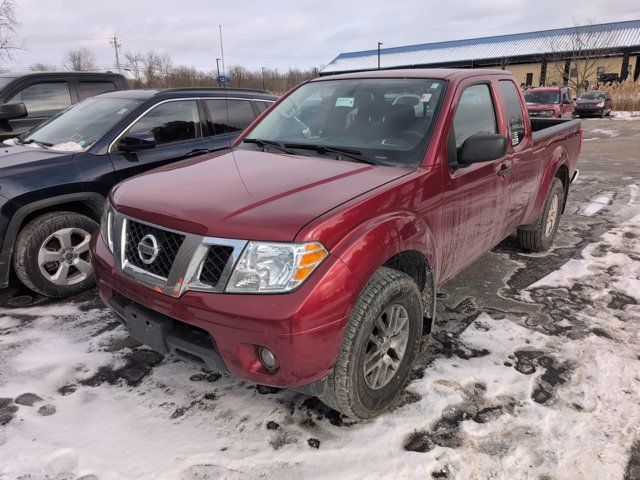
(133, 62)
(43, 67)
(575, 57)
(80, 60)
(8, 25)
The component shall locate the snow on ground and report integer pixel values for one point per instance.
(505, 401)
(632, 115)
(596, 204)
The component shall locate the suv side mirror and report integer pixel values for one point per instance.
(137, 141)
(482, 147)
(10, 111)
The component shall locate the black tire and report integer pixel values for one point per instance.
(537, 237)
(29, 242)
(347, 388)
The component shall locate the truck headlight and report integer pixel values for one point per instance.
(600, 104)
(273, 267)
(546, 113)
(106, 225)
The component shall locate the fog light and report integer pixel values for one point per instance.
(267, 358)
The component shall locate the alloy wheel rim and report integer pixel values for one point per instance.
(386, 346)
(63, 258)
(552, 216)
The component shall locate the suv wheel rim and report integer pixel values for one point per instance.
(63, 257)
(552, 216)
(386, 346)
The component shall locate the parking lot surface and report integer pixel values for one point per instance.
(532, 371)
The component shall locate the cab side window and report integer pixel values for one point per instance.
(509, 92)
(171, 122)
(43, 99)
(475, 114)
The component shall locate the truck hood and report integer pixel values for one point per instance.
(17, 157)
(247, 194)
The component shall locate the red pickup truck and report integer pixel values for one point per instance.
(309, 255)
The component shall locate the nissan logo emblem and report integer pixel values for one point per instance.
(148, 249)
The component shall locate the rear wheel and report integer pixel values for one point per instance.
(380, 345)
(51, 255)
(539, 236)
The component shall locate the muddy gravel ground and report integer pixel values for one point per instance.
(532, 371)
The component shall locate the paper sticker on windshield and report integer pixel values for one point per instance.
(435, 85)
(515, 140)
(344, 101)
(424, 98)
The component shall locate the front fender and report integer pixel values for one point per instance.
(368, 246)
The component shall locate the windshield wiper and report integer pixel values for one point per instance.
(264, 143)
(345, 152)
(42, 144)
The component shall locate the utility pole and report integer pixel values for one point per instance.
(379, 43)
(218, 67)
(116, 45)
(263, 79)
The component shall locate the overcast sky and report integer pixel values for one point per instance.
(278, 33)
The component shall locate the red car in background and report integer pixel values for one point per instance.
(549, 102)
(596, 103)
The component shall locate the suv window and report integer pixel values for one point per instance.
(170, 122)
(91, 89)
(241, 114)
(475, 113)
(514, 110)
(262, 106)
(43, 99)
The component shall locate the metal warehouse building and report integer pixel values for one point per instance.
(535, 58)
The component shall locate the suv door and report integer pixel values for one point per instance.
(178, 129)
(227, 119)
(42, 99)
(473, 194)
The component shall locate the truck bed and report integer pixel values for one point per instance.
(545, 128)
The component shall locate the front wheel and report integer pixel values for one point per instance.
(539, 236)
(381, 343)
(51, 255)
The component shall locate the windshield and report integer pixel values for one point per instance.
(80, 126)
(592, 96)
(541, 98)
(382, 121)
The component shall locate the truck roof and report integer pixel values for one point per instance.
(439, 73)
(546, 89)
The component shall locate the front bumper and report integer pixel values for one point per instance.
(304, 329)
(589, 111)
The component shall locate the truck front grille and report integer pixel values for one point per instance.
(168, 245)
(215, 263)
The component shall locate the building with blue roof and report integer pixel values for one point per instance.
(601, 52)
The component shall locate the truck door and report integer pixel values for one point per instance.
(473, 194)
(520, 181)
(179, 132)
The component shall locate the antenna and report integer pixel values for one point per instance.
(224, 83)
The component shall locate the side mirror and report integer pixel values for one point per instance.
(11, 111)
(137, 141)
(574, 99)
(482, 147)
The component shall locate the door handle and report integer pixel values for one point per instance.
(504, 170)
(198, 151)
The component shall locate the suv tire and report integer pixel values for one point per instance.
(382, 338)
(51, 254)
(539, 236)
